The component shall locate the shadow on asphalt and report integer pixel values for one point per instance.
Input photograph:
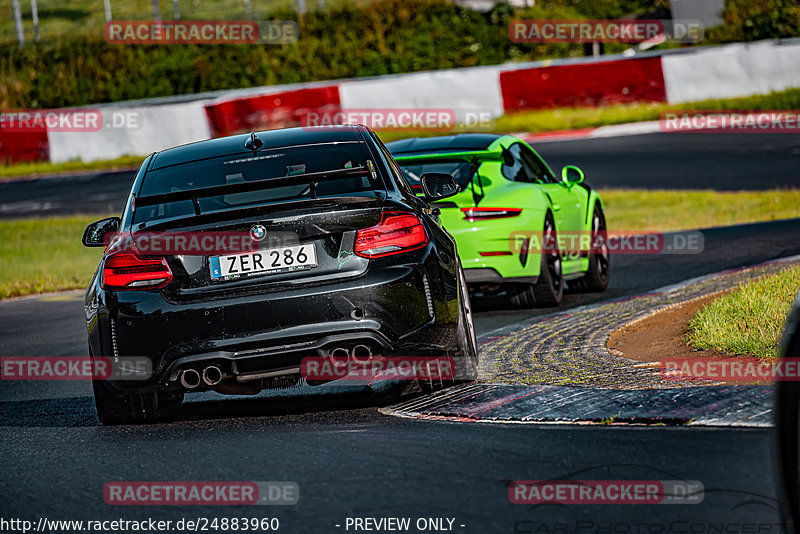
(80, 411)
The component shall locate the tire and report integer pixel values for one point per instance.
(465, 354)
(787, 432)
(599, 273)
(468, 342)
(787, 426)
(549, 288)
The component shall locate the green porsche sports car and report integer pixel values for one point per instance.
(509, 205)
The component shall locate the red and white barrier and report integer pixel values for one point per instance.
(141, 130)
(460, 90)
(584, 84)
(731, 71)
(23, 147)
(674, 77)
(274, 110)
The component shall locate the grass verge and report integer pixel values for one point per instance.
(749, 320)
(553, 120)
(577, 118)
(42, 255)
(43, 168)
(671, 210)
(529, 121)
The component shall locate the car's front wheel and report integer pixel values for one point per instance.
(599, 273)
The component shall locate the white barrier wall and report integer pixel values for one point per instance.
(731, 71)
(473, 89)
(715, 72)
(139, 131)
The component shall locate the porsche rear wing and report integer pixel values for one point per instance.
(483, 155)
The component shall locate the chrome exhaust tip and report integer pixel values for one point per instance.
(190, 378)
(339, 356)
(212, 375)
(361, 353)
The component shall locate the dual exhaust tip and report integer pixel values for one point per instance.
(191, 378)
(340, 356)
(212, 375)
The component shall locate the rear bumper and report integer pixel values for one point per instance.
(494, 246)
(488, 275)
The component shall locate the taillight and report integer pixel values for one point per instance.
(483, 214)
(397, 232)
(127, 271)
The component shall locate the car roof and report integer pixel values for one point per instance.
(234, 144)
(468, 142)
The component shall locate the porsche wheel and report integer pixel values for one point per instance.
(599, 273)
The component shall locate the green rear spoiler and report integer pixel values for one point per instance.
(492, 155)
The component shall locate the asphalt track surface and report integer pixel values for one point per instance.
(666, 160)
(351, 461)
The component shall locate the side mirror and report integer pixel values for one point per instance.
(571, 175)
(437, 186)
(95, 234)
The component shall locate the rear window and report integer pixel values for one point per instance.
(462, 171)
(271, 163)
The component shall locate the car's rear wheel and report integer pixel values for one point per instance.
(465, 355)
(599, 273)
(115, 409)
(549, 288)
(787, 423)
(468, 342)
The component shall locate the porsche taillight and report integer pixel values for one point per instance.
(127, 271)
(397, 232)
(484, 213)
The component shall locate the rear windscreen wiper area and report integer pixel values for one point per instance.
(312, 180)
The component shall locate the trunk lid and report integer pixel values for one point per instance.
(328, 226)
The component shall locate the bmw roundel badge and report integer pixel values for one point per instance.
(258, 232)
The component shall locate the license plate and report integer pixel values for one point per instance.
(267, 261)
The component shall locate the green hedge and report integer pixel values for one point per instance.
(383, 37)
(387, 37)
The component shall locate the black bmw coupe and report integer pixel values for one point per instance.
(341, 261)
